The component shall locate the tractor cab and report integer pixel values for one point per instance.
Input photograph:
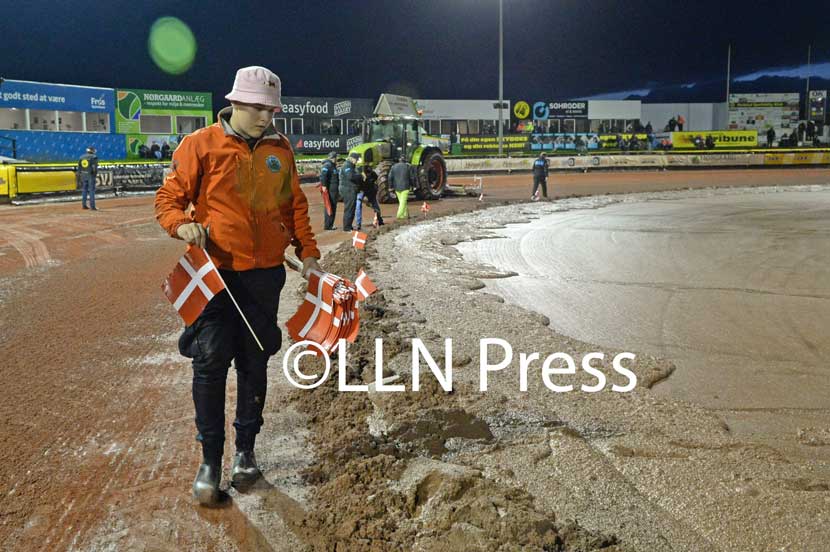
(401, 133)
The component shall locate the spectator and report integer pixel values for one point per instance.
(802, 129)
(672, 124)
(794, 139)
(681, 120)
(770, 136)
(649, 128)
(811, 131)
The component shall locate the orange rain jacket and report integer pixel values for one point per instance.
(250, 201)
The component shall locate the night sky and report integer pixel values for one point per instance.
(426, 48)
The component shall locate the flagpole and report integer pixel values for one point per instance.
(250, 329)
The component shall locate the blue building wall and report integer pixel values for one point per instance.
(48, 146)
(42, 146)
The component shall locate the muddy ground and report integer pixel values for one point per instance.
(98, 447)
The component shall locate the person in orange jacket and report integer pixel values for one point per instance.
(247, 208)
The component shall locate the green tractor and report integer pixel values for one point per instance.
(397, 133)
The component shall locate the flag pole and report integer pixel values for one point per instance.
(250, 329)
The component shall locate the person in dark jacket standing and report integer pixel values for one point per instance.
(87, 172)
(350, 181)
(541, 167)
(330, 180)
(770, 137)
(368, 189)
(399, 179)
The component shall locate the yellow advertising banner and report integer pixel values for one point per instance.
(723, 138)
(5, 180)
(52, 181)
(802, 158)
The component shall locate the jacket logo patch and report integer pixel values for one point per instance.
(273, 163)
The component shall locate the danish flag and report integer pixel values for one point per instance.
(425, 208)
(359, 239)
(192, 284)
(365, 286)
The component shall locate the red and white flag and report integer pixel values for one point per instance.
(359, 239)
(326, 199)
(314, 318)
(365, 286)
(425, 208)
(192, 284)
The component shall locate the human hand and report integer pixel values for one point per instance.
(310, 263)
(193, 233)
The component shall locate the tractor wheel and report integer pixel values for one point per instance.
(385, 194)
(432, 176)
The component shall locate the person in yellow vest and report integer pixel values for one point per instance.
(87, 172)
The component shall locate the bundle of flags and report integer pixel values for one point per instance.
(330, 309)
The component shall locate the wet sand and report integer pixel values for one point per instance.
(99, 410)
(731, 286)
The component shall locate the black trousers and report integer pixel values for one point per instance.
(220, 336)
(349, 195)
(540, 181)
(328, 220)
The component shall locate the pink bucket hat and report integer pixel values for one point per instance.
(256, 85)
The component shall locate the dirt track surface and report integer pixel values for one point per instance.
(97, 448)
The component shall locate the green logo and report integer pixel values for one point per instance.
(273, 163)
(129, 105)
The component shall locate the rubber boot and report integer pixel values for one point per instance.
(244, 472)
(206, 485)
